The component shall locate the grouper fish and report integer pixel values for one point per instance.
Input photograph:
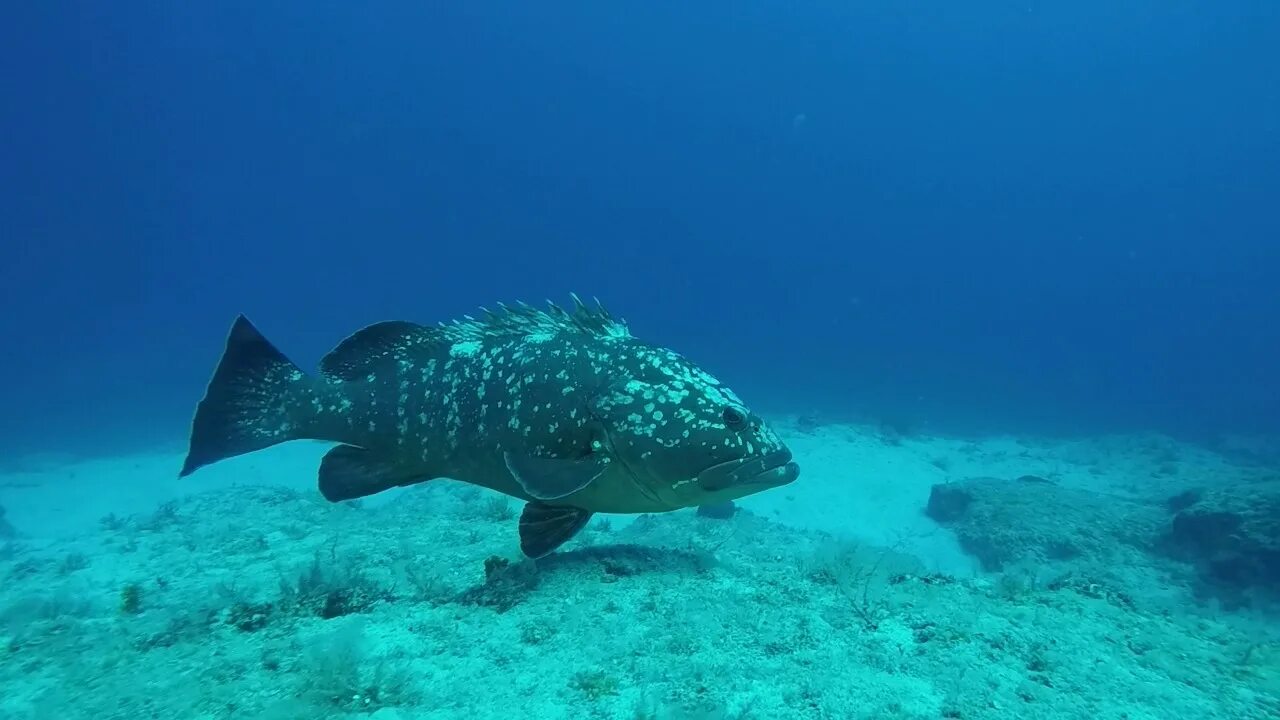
(562, 408)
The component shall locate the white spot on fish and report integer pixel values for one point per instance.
(466, 348)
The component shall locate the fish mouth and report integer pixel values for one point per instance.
(775, 468)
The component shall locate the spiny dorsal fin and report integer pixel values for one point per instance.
(393, 340)
(375, 345)
(522, 318)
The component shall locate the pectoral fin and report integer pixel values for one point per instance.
(554, 478)
(348, 472)
(544, 527)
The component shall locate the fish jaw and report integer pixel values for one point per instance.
(741, 477)
(777, 476)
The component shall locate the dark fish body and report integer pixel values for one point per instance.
(563, 409)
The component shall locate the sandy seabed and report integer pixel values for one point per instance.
(240, 593)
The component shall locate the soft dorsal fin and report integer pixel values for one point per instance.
(375, 345)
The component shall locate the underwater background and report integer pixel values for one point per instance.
(1026, 251)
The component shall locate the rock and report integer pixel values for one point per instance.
(1031, 519)
(1184, 500)
(718, 511)
(1232, 535)
(948, 503)
(6, 530)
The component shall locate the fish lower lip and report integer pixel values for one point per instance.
(781, 475)
(776, 468)
(778, 475)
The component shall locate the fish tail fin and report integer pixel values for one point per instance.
(257, 398)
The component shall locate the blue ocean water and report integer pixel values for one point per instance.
(1002, 215)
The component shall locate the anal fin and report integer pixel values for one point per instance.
(348, 472)
(543, 527)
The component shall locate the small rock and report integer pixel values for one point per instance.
(1232, 535)
(1183, 500)
(948, 503)
(718, 511)
(1003, 521)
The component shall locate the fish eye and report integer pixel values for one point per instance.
(734, 417)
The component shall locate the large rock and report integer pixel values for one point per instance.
(1232, 535)
(1003, 521)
